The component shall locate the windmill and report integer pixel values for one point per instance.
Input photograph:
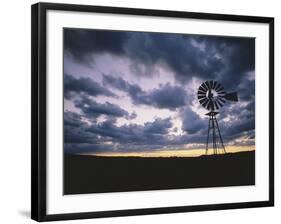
(212, 96)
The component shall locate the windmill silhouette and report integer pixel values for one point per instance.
(212, 96)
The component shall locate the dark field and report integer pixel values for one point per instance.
(93, 174)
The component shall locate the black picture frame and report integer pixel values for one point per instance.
(39, 107)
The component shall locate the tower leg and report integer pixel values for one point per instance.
(214, 136)
(218, 145)
(220, 135)
(207, 143)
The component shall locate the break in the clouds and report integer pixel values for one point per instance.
(136, 91)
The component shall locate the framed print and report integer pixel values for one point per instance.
(138, 111)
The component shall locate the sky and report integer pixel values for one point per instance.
(135, 92)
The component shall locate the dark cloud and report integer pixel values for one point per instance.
(205, 57)
(78, 135)
(166, 96)
(246, 90)
(158, 126)
(239, 60)
(179, 52)
(75, 129)
(237, 119)
(72, 119)
(242, 123)
(149, 133)
(87, 147)
(196, 138)
(116, 82)
(226, 59)
(191, 122)
(237, 55)
(93, 109)
(81, 137)
(74, 85)
(81, 43)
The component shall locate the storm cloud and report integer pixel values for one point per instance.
(92, 109)
(74, 85)
(81, 43)
(166, 96)
(191, 122)
(76, 131)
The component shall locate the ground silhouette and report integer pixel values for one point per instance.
(96, 174)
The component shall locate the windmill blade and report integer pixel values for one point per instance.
(202, 88)
(221, 93)
(204, 102)
(215, 85)
(208, 85)
(231, 96)
(201, 97)
(218, 86)
(216, 105)
(211, 84)
(202, 92)
(201, 101)
(205, 86)
(221, 99)
(208, 106)
(220, 103)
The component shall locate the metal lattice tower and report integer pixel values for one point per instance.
(212, 96)
(214, 131)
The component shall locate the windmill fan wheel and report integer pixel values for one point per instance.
(211, 95)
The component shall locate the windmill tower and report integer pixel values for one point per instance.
(212, 96)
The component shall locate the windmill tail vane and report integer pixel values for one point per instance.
(231, 96)
(212, 96)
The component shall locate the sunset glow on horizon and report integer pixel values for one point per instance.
(172, 153)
